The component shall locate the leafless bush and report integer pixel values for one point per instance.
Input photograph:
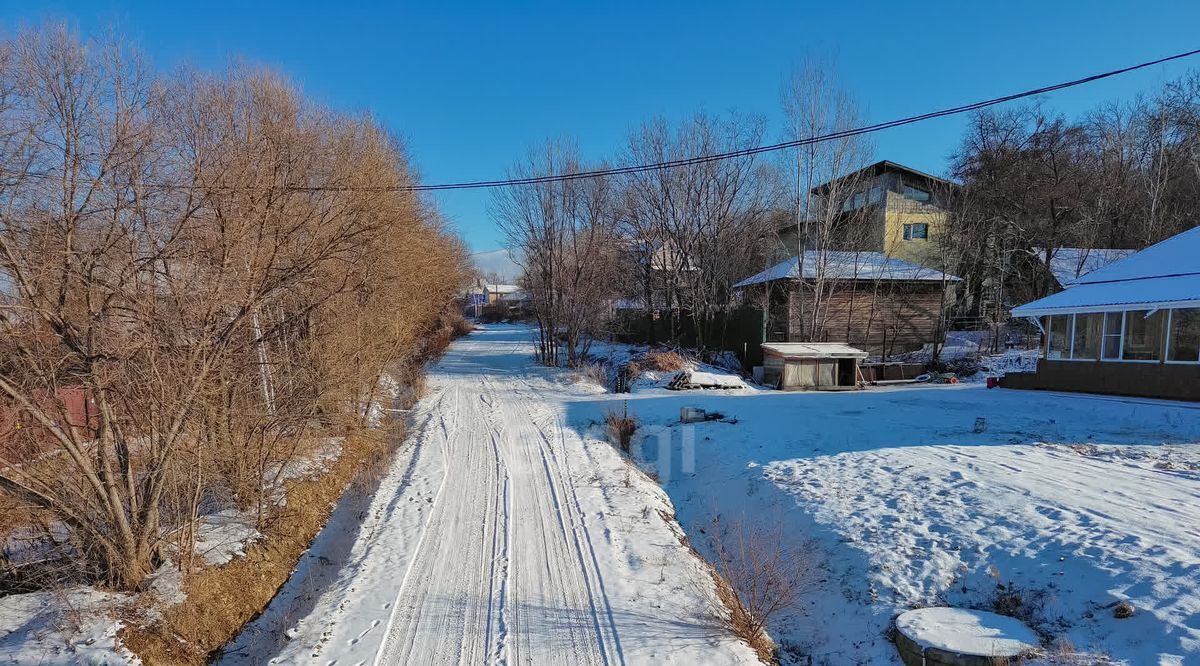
(620, 426)
(758, 576)
(663, 361)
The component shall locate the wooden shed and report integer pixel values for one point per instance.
(826, 366)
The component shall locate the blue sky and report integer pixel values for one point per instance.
(470, 85)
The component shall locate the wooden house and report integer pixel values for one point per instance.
(878, 303)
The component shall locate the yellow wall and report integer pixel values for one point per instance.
(924, 252)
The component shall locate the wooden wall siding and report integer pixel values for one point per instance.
(1148, 380)
(900, 317)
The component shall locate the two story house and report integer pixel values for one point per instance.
(897, 211)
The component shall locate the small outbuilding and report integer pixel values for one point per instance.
(825, 366)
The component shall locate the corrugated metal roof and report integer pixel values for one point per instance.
(1165, 275)
(847, 265)
(814, 349)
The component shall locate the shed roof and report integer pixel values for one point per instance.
(1164, 275)
(813, 350)
(847, 265)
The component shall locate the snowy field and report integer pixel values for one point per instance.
(1053, 506)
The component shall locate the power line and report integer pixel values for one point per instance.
(745, 152)
(698, 159)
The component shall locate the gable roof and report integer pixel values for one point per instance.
(1164, 275)
(881, 167)
(847, 265)
(1068, 264)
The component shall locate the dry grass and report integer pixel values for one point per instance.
(663, 361)
(220, 600)
(620, 426)
(757, 576)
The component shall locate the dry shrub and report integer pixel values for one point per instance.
(1024, 604)
(663, 361)
(593, 373)
(220, 600)
(620, 426)
(459, 326)
(757, 576)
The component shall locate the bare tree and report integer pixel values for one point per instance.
(564, 232)
(830, 197)
(173, 255)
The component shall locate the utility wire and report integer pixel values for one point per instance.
(700, 159)
(689, 161)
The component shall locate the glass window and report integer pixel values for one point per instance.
(1087, 336)
(916, 231)
(915, 193)
(1183, 343)
(1143, 335)
(1058, 337)
(1113, 321)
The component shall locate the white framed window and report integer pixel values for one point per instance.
(1183, 335)
(1114, 323)
(1143, 340)
(1085, 338)
(1058, 337)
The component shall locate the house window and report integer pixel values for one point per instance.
(1183, 340)
(918, 231)
(915, 193)
(1143, 335)
(1086, 341)
(1058, 337)
(1113, 322)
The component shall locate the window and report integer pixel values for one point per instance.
(1183, 340)
(916, 231)
(1058, 337)
(1113, 321)
(1143, 335)
(1086, 342)
(915, 193)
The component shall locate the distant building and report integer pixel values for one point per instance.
(878, 303)
(1130, 328)
(1069, 264)
(905, 213)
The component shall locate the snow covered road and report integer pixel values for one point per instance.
(501, 536)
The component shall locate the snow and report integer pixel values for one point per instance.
(500, 533)
(846, 265)
(61, 627)
(1068, 264)
(814, 350)
(966, 632)
(1068, 503)
(1166, 274)
(690, 379)
(224, 535)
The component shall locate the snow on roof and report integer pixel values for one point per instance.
(847, 265)
(503, 288)
(1164, 275)
(814, 349)
(1068, 264)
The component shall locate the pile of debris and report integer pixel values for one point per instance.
(687, 380)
